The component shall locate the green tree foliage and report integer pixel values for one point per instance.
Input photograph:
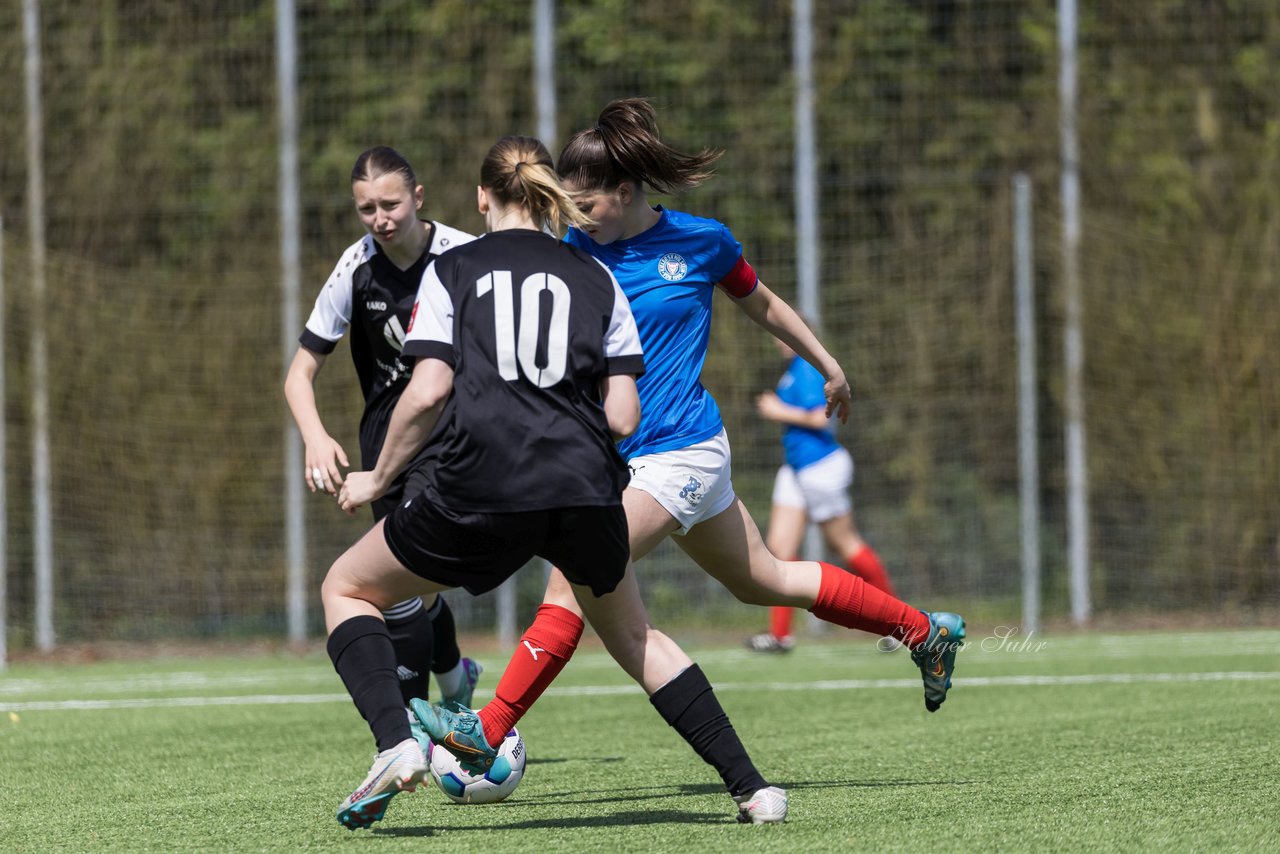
(162, 210)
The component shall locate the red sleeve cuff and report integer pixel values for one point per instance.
(740, 281)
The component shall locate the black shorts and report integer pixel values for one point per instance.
(479, 551)
(404, 487)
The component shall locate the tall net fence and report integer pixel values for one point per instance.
(163, 308)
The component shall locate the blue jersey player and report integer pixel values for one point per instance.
(811, 485)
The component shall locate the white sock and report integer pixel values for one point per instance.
(450, 681)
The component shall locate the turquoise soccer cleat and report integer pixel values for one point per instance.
(459, 731)
(936, 657)
(471, 670)
(419, 734)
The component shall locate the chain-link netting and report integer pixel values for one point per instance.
(162, 198)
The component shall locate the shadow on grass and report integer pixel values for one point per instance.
(620, 819)
(555, 760)
(630, 818)
(650, 793)
(871, 784)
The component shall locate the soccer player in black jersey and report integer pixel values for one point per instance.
(531, 346)
(371, 292)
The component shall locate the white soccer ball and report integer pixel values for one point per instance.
(462, 787)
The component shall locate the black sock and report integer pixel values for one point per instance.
(689, 705)
(446, 655)
(361, 651)
(412, 636)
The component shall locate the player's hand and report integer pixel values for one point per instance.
(324, 463)
(360, 488)
(839, 397)
(770, 406)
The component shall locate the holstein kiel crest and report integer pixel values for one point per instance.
(672, 267)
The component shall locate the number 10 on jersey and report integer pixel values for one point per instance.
(523, 348)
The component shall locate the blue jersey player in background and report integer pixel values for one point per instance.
(812, 485)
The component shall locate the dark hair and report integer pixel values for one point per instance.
(625, 146)
(382, 160)
(518, 170)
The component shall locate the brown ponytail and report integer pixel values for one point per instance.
(624, 145)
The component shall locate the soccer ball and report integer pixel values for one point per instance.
(462, 787)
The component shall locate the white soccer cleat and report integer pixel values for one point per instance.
(764, 806)
(395, 770)
(768, 642)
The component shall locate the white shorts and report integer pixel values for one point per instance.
(691, 483)
(820, 489)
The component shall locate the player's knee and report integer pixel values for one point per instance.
(336, 585)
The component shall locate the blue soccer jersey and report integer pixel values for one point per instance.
(669, 274)
(802, 386)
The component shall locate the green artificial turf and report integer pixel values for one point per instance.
(1082, 742)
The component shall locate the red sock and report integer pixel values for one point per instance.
(780, 621)
(848, 601)
(544, 650)
(866, 563)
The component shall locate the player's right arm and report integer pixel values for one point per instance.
(429, 341)
(329, 321)
(412, 421)
(322, 451)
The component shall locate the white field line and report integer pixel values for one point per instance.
(610, 690)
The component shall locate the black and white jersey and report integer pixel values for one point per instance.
(531, 327)
(372, 297)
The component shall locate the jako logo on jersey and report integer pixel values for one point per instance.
(393, 333)
(690, 492)
(376, 305)
(672, 267)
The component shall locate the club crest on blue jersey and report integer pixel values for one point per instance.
(672, 267)
(690, 492)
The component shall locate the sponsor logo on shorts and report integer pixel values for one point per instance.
(690, 491)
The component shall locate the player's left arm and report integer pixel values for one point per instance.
(412, 421)
(624, 359)
(781, 320)
(621, 404)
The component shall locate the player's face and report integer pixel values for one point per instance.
(605, 207)
(388, 208)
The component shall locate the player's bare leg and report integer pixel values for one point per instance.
(364, 580)
(644, 653)
(729, 547)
